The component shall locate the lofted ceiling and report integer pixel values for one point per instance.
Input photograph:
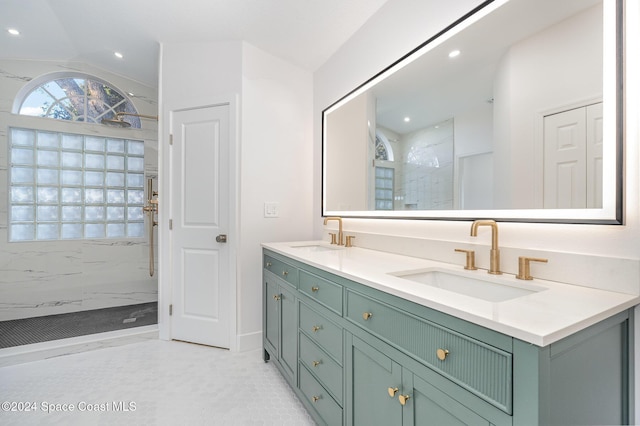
(303, 32)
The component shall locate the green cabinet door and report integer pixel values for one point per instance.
(428, 405)
(272, 317)
(281, 325)
(372, 375)
(288, 332)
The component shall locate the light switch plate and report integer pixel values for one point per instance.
(271, 209)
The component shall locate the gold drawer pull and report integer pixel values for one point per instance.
(276, 297)
(392, 392)
(442, 354)
(268, 264)
(316, 398)
(403, 399)
(285, 273)
(315, 289)
(316, 363)
(366, 315)
(315, 328)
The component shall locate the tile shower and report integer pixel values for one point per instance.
(40, 278)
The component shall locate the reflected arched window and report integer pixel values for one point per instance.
(383, 150)
(74, 97)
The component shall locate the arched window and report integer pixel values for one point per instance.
(64, 185)
(74, 97)
(383, 149)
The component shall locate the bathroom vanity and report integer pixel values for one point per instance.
(367, 337)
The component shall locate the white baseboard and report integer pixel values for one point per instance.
(249, 341)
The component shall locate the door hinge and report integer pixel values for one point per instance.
(170, 138)
(170, 310)
(170, 224)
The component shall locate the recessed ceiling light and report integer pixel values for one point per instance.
(407, 119)
(13, 31)
(454, 53)
(118, 55)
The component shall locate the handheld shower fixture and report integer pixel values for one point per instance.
(119, 122)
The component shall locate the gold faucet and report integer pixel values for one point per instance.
(494, 267)
(339, 219)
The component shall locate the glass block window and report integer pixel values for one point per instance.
(69, 186)
(77, 98)
(384, 188)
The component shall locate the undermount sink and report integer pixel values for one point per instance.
(314, 247)
(481, 288)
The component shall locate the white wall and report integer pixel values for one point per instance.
(348, 173)
(556, 69)
(273, 154)
(276, 166)
(599, 244)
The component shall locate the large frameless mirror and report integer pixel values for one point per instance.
(513, 112)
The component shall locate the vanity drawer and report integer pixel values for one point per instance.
(329, 410)
(480, 368)
(323, 367)
(321, 330)
(323, 291)
(281, 269)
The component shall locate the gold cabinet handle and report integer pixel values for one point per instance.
(315, 289)
(316, 363)
(276, 297)
(316, 398)
(285, 273)
(316, 328)
(392, 392)
(403, 399)
(366, 316)
(442, 354)
(268, 264)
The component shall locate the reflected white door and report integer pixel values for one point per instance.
(594, 156)
(565, 160)
(199, 212)
(573, 158)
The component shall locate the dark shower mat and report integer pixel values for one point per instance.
(53, 327)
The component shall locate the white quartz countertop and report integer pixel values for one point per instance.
(549, 313)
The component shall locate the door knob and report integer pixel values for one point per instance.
(392, 392)
(222, 238)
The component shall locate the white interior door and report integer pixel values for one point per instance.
(594, 156)
(565, 160)
(199, 212)
(573, 158)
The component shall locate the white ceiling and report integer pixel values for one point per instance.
(303, 32)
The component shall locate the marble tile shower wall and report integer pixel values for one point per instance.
(51, 277)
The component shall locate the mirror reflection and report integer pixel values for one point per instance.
(508, 113)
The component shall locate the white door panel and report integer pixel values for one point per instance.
(200, 200)
(573, 158)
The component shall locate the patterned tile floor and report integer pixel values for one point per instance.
(152, 382)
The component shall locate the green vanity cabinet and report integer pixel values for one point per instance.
(385, 392)
(355, 356)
